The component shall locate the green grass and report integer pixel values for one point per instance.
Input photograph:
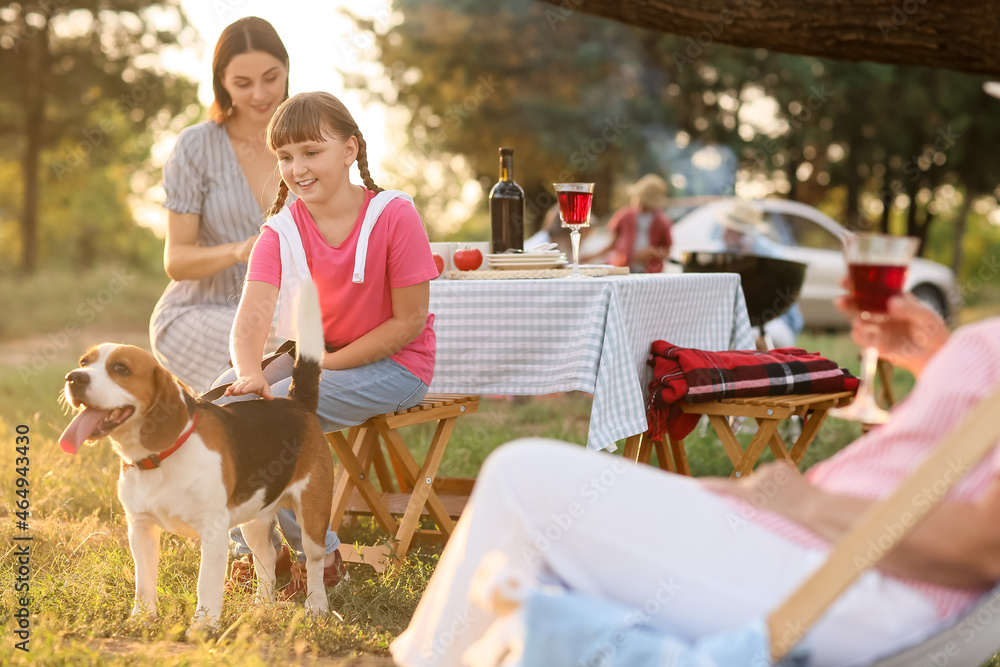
(82, 580)
(82, 583)
(60, 301)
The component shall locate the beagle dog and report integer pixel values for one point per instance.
(198, 469)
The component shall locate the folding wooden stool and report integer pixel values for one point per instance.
(420, 491)
(768, 411)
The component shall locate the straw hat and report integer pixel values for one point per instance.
(745, 218)
(651, 191)
(992, 88)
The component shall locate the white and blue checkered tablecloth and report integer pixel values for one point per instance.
(533, 337)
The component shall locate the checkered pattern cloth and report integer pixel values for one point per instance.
(534, 337)
(696, 376)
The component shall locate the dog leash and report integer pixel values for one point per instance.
(288, 347)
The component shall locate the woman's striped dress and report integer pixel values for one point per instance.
(190, 326)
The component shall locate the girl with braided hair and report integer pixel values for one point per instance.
(368, 254)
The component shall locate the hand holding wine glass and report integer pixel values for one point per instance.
(877, 266)
(909, 336)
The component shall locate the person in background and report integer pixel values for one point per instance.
(552, 231)
(743, 230)
(219, 180)
(641, 232)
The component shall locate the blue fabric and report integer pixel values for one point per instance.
(793, 317)
(292, 532)
(570, 629)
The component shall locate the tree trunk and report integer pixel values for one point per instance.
(958, 36)
(924, 229)
(912, 210)
(851, 206)
(888, 200)
(29, 210)
(917, 225)
(959, 232)
(793, 180)
(852, 212)
(86, 248)
(33, 86)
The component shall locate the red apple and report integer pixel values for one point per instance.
(438, 262)
(467, 259)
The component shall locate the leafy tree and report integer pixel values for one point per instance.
(478, 76)
(886, 31)
(861, 140)
(579, 98)
(87, 98)
(893, 131)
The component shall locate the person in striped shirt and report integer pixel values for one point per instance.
(697, 558)
(219, 180)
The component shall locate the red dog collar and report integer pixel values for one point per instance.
(154, 461)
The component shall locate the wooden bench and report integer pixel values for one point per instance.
(409, 490)
(768, 411)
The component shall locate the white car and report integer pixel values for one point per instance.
(808, 236)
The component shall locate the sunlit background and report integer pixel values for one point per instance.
(438, 85)
(322, 42)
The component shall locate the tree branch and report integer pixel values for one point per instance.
(956, 36)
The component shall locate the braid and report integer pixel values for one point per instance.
(363, 164)
(279, 201)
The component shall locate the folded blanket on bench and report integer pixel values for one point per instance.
(696, 376)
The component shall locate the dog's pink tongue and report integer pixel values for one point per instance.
(80, 429)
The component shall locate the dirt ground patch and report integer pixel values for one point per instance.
(68, 343)
(117, 648)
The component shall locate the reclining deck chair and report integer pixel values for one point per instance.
(974, 636)
(969, 640)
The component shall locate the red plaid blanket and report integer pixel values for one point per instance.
(695, 376)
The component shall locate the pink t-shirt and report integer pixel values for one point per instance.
(962, 373)
(399, 255)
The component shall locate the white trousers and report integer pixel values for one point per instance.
(644, 538)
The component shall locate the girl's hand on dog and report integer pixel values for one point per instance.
(250, 384)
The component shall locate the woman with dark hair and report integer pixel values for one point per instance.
(219, 180)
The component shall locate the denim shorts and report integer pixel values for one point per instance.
(347, 397)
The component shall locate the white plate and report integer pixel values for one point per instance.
(551, 260)
(518, 258)
(529, 267)
(526, 260)
(525, 255)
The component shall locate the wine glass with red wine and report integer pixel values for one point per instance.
(574, 211)
(876, 266)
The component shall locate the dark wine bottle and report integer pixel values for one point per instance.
(507, 207)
